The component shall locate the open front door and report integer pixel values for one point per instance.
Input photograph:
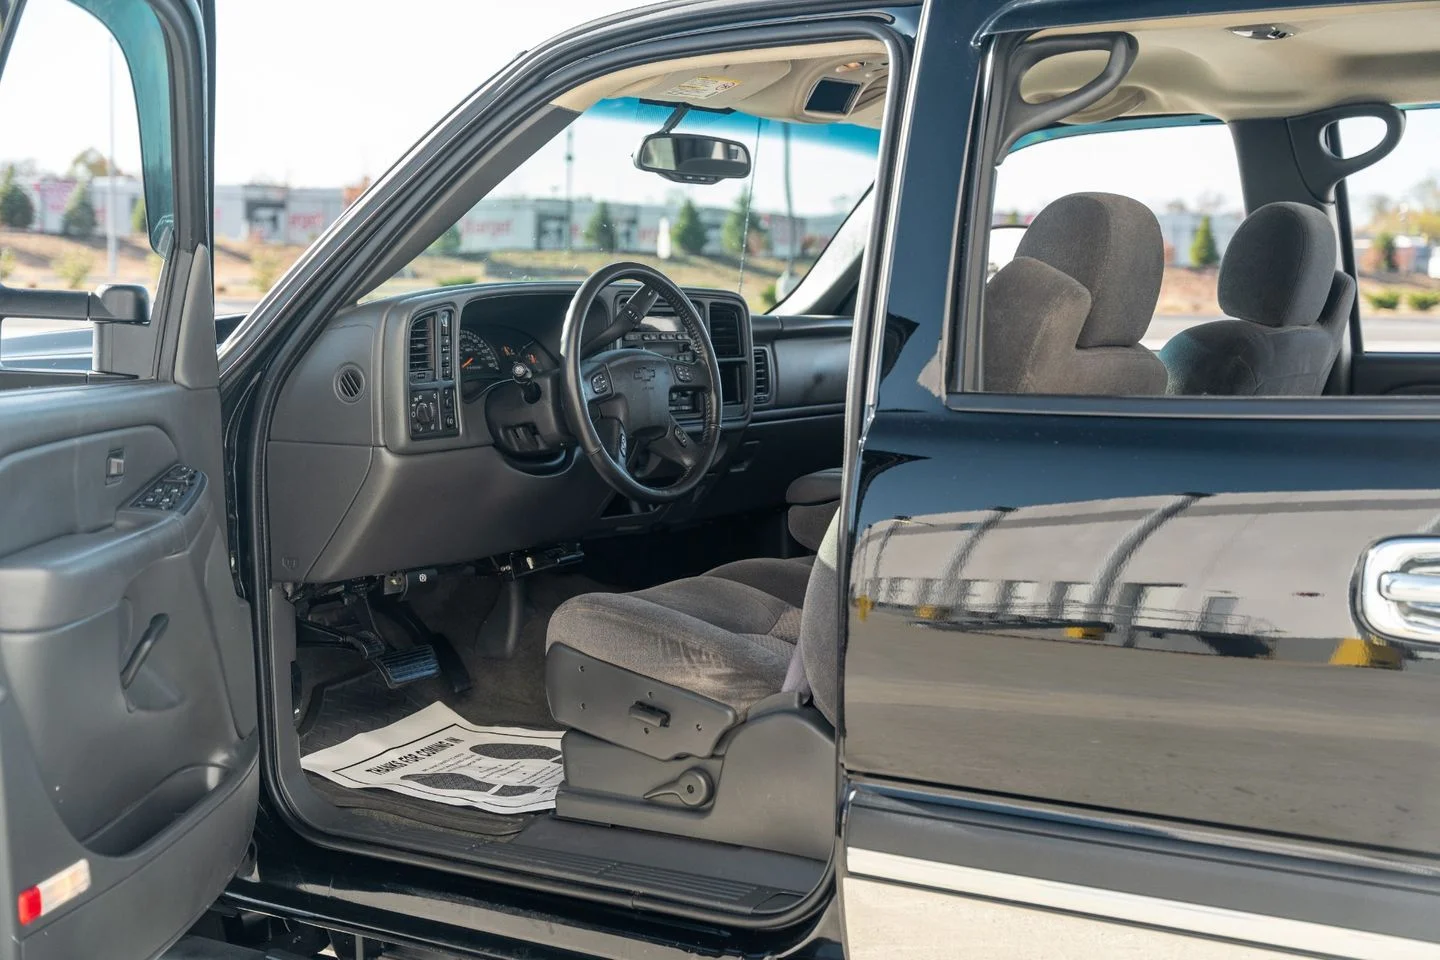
(128, 752)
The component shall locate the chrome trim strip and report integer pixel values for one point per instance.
(1197, 918)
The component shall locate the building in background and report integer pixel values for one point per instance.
(263, 213)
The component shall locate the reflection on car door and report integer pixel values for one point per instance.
(127, 700)
(1115, 684)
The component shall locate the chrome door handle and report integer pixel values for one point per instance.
(1410, 587)
(1397, 590)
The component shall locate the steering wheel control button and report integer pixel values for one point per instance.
(599, 383)
(684, 374)
(681, 437)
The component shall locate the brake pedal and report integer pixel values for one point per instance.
(400, 667)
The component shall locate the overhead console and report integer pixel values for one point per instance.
(846, 88)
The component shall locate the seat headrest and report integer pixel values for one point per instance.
(1112, 246)
(1279, 266)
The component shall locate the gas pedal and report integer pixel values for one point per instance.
(400, 667)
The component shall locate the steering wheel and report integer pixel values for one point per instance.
(629, 389)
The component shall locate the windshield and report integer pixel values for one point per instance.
(579, 203)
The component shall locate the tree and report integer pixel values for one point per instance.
(600, 231)
(740, 226)
(1203, 252)
(1385, 251)
(138, 221)
(16, 209)
(90, 163)
(78, 220)
(688, 232)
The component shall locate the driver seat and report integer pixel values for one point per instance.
(703, 707)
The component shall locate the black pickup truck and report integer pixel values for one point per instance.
(1046, 565)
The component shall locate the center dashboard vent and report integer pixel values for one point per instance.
(762, 375)
(725, 331)
(421, 349)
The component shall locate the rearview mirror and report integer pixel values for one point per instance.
(689, 158)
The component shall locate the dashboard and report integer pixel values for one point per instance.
(386, 451)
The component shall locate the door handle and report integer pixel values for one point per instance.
(1411, 587)
(136, 660)
(1397, 591)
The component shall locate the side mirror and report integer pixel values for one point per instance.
(689, 158)
(113, 303)
(1004, 241)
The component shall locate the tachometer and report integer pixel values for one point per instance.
(477, 358)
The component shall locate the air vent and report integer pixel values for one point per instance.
(349, 383)
(422, 349)
(762, 375)
(725, 331)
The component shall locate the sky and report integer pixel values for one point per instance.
(325, 93)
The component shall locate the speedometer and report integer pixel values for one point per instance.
(477, 358)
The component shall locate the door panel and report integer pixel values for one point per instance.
(1151, 616)
(1142, 622)
(128, 723)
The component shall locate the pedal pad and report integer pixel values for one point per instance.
(368, 645)
(400, 667)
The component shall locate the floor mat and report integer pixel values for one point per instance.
(342, 697)
(434, 754)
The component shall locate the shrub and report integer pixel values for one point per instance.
(459, 280)
(265, 269)
(688, 233)
(16, 209)
(138, 223)
(448, 243)
(1423, 301)
(74, 268)
(1383, 299)
(770, 295)
(1385, 250)
(600, 231)
(78, 220)
(1203, 252)
(7, 263)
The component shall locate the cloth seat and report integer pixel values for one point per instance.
(722, 638)
(1066, 316)
(1289, 307)
(718, 637)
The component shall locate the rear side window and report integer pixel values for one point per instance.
(1395, 222)
(1186, 175)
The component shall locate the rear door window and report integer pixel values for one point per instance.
(1395, 224)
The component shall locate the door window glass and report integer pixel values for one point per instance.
(1187, 175)
(81, 160)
